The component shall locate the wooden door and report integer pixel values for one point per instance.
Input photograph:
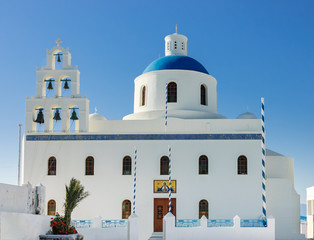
(161, 206)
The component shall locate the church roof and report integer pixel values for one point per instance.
(96, 116)
(176, 62)
(272, 153)
(247, 115)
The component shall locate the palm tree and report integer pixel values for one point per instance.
(74, 195)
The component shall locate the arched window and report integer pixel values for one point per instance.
(52, 166)
(143, 96)
(127, 165)
(89, 166)
(203, 95)
(126, 209)
(51, 207)
(203, 208)
(242, 165)
(164, 165)
(172, 92)
(203, 165)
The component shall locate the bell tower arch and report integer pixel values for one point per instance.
(62, 81)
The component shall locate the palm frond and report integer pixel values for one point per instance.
(75, 193)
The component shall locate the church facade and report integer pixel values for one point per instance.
(175, 131)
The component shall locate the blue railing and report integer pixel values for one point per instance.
(188, 223)
(114, 223)
(220, 223)
(252, 223)
(82, 223)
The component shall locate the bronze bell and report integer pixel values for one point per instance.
(40, 117)
(57, 115)
(50, 87)
(66, 85)
(74, 116)
(59, 58)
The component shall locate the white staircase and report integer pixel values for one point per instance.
(156, 236)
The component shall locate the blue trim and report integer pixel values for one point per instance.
(119, 137)
(175, 62)
(188, 223)
(253, 223)
(220, 223)
(114, 223)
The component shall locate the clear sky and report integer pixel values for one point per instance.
(253, 48)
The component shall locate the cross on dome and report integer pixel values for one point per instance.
(58, 41)
(176, 28)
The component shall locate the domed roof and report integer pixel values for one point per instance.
(96, 116)
(247, 115)
(175, 62)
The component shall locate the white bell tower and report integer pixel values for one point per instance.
(176, 44)
(57, 98)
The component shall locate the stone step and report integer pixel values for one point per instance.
(156, 236)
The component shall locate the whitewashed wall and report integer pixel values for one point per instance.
(22, 226)
(222, 187)
(22, 199)
(203, 232)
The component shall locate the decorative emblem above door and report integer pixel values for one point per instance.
(162, 186)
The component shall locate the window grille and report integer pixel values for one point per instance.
(52, 166)
(203, 208)
(242, 165)
(89, 166)
(51, 207)
(126, 209)
(164, 165)
(172, 92)
(203, 165)
(127, 165)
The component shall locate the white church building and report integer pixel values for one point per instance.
(215, 162)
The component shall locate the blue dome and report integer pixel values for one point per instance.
(176, 63)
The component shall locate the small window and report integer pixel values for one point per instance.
(182, 45)
(51, 207)
(172, 92)
(164, 165)
(242, 165)
(89, 166)
(168, 46)
(143, 96)
(175, 44)
(203, 95)
(126, 209)
(127, 165)
(203, 209)
(203, 165)
(52, 166)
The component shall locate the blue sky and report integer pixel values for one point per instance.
(253, 48)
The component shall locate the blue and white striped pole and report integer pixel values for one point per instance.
(166, 107)
(134, 187)
(263, 165)
(169, 178)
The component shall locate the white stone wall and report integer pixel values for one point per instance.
(22, 199)
(203, 232)
(16, 226)
(178, 126)
(283, 202)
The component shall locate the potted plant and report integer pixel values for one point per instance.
(61, 225)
